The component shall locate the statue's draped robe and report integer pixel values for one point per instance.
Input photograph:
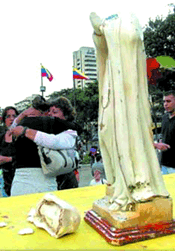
(125, 135)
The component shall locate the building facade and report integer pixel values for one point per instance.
(85, 60)
(24, 104)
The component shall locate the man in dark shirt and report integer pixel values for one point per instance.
(167, 146)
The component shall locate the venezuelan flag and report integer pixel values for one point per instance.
(43, 72)
(79, 75)
(46, 73)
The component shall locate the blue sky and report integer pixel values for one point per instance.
(47, 32)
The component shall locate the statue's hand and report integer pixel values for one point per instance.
(96, 23)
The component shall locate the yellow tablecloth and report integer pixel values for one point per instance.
(14, 211)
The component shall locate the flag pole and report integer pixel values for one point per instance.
(74, 96)
(74, 87)
(74, 93)
(42, 87)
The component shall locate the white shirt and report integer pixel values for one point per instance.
(93, 182)
(63, 140)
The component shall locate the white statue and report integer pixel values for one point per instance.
(125, 135)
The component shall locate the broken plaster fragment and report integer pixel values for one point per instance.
(3, 224)
(26, 231)
(56, 216)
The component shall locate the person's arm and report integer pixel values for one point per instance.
(161, 146)
(5, 159)
(50, 124)
(30, 112)
(64, 140)
(22, 131)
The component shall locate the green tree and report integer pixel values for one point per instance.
(159, 40)
(86, 105)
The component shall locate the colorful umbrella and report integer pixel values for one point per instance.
(154, 64)
(152, 70)
(166, 62)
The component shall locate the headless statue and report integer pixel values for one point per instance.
(125, 135)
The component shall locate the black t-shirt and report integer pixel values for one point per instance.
(168, 137)
(7, 149)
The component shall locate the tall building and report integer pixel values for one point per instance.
(85, 60)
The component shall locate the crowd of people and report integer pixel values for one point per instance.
(52, 124)
(48, 124)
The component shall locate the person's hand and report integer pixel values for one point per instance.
(5, 159)
(8, 136)
(17, 131)
(162, 146)
(20, 130)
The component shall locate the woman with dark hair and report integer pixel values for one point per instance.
(8, 115)
(7, 150)
(62, 108)
(54, 132)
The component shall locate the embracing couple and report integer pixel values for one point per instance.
(48, 124)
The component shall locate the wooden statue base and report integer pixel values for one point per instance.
(121, 237)
(140, 214)
(146, 220)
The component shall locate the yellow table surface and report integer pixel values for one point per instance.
(86, 238)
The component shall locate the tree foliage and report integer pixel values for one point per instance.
(85, 102)
(159, 40)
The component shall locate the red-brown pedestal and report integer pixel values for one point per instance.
(119, 237)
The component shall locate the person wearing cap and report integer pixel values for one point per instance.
(98, 172)
(51, 132)
(92, 154)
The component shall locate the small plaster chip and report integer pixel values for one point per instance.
(26, 231)
(3, 224)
